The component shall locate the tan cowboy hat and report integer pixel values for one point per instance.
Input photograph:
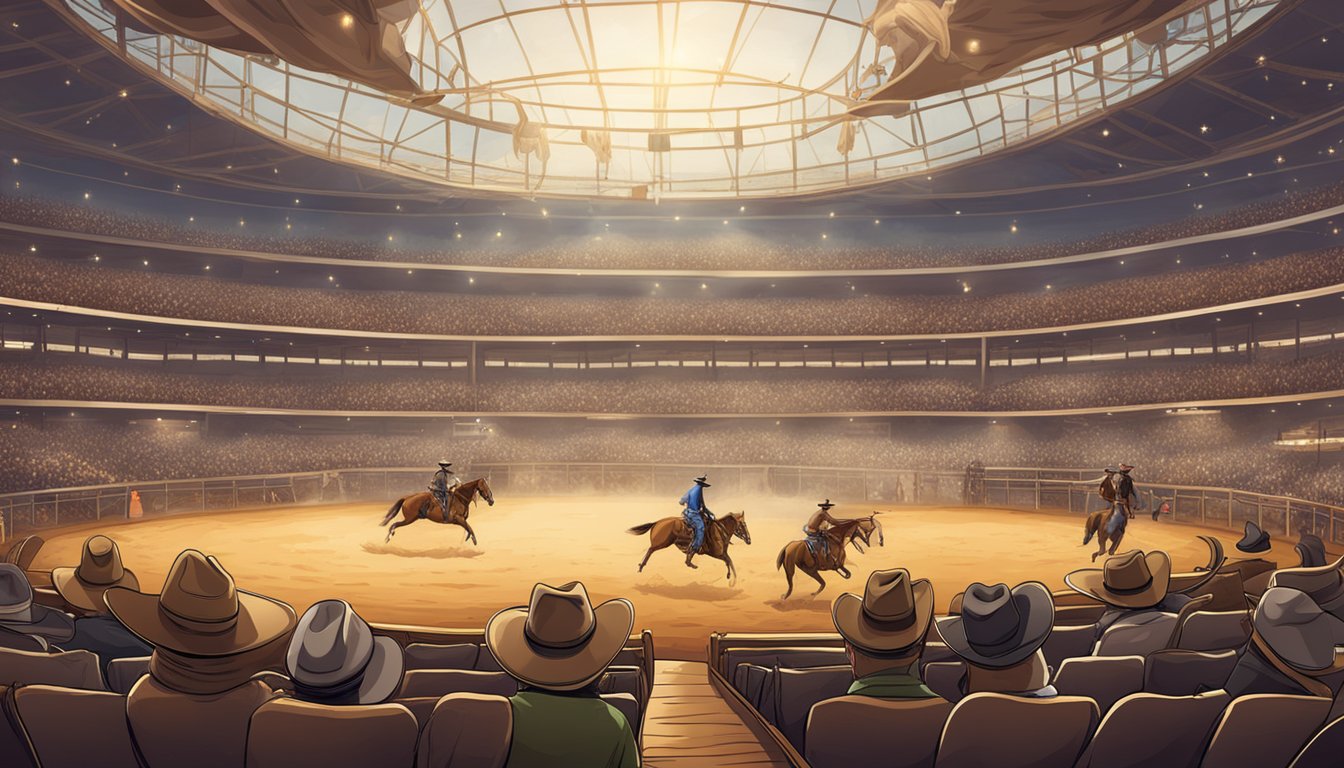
(201, 611)
(1324, 584)
(893, 614)
(1129, 580)
(559, 641)
(99, 569)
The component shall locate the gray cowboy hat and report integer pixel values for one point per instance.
(559, 641)
(334, 655)
(99, 570)
(1255, 540)
(702, 481)
(1299, 631)
(893, 614)
(19, 613)
(1323, 583)
(1311, 551)
(997, 626)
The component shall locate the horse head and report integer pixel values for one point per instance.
(867, 526)
(483, 488)
(740, 526)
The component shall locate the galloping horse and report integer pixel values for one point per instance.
(797, 554)
(423, 504)
(718, 535)
(1097, 523)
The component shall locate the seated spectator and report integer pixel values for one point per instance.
(1134, 586)
(209, 639)
(82, 588)
(335, 659)
(884, 634)
(999, 634)
(558, 647)
(1294, 643)
(21, 615)
(1324, 584)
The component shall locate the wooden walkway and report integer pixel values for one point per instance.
(689, 724)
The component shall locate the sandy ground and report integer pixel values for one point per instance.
(428, 575)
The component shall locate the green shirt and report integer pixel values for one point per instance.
(891, 684)
(554, 729)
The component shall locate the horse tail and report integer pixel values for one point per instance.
(1090, 527)
(640, 530)
(779, 561)
(391, 513)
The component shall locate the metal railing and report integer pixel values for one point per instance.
(1072, 490)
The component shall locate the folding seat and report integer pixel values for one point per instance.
(1176, 672)
(1324, 749)
(1215, 630)
(622, 679)
(1012, 732)
(71, 728)
(935, 652)
(796, 690)
(441, 682)
(428, 656)
(1145, 730)
(1137, 635)
(71, 669)
(467, 730)
(122, 673)
(485, 660)
(288, 733)
(1066, 643)
(793, 658)
(749, 680)
(14, 749)
(1104, 679)
(1265, 730)
(861, 730)
(944, 678)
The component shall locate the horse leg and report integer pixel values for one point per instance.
(1116, 543)
(788, 576)
(816, 575)
(393, 529)
(645, 561)
(1101, 546)
(470, 533)
(732, 572)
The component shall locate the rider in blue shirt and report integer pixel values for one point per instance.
(694, 514)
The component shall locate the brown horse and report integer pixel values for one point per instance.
(718, 535)
(796, 554)
(423, 504)
(1096, 526)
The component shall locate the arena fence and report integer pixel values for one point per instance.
(1072, 490)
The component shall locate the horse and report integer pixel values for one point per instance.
(423, 504)
(719, 534)
(797, 554)
(1096, 523)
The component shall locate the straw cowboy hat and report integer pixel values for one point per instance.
(893, 614)
(559, 641)
(1324, 584)
(99, 569)
(1129, 580)
(1299, 632)
(19, 613)
(1254, 540)
(334, 655)
(201, 611)
(997, 626)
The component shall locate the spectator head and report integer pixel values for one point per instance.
(999, 627)
(334, 658)
(559, 641)
(99, 570)
(1297, 632)
(1130, 581)
(1255, 540)
(885, 628)
(19, 613)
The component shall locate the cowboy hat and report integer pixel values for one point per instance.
(893, 614)
(201, 611)
(445, 464)
(1324, 584)
(99, 569)
(335, 656)
(702, 481)
(1125, 468)
(19, 613)
(1129, 580)
(559, 641)
(997, 626)
(1299, 632)
(1311, 550)
(1110, 470)
(1254, 540)
(24, 551)
(826, 504)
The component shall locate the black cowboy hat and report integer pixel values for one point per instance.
(998, 627)
(826, 504)
(702, 481)
(1311, 551)
(1255, 540)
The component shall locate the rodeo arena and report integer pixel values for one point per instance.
(676, 383)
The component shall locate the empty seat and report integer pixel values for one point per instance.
(935, 652)
(485, 660)
(622, 679)
(628, 706)
(1176, 672)
(1215, 630)
(122, 673)
(71, 728)
(749, 680)
(1104, 679)
(428, 656)
(1324, 749)
(467, 730)
(1146, 730)
(992, 729)
(14, 749)
(944, 678)
(796, 690)
(441, 682)
(793, 658)
(1066, 643)
(421, 707)
(861, 730)
(71, 669)
(1265, 730)
(1137, 635)
(298, 734)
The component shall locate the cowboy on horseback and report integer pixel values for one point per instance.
(445, 482)
(818, 542)
(696, 515)
(1117, 489)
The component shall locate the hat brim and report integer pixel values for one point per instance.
(1324, 583)
(1034, 602)
(1092, 582)
(573, 669)
(853, 626)
(1304, 647)
(260, 621)
(382, 677)
(86, 596)
(45, 622)
(1254, 544)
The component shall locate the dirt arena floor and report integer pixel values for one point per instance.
(428, 575)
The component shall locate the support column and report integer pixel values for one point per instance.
(471, 364)
(984, 361)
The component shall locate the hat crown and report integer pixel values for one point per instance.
(559, 617)
(1127, 572)
(100, 562)
(200, 590)
(888, 596)
(16, 593)
(330, 635)
(1288, 606)
(989, 615)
